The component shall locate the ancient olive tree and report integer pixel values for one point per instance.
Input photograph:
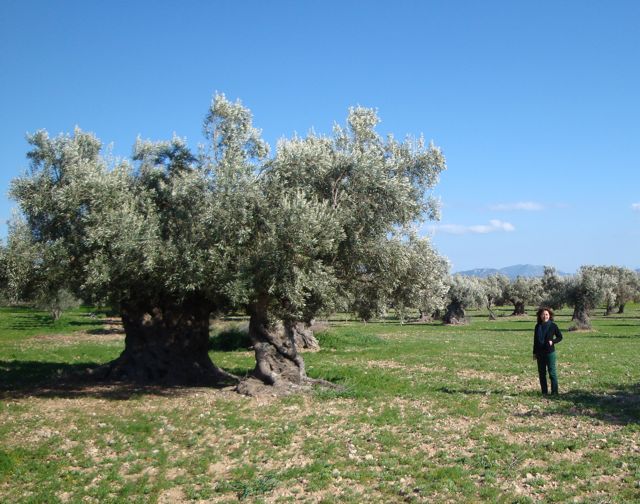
(151, 238)
(464, 292)
(332, 213)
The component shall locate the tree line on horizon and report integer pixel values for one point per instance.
(591, 287)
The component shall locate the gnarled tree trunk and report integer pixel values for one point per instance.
(621, 308)
(304, 337)
(277, 357)
(518, 308)
(165, 344)
(454, 314)
(581, 318)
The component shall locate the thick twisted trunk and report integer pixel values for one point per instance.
(304, 337)
(581, 318)
(277, 357)
(454, 314)
(165, 343)
(518, 308)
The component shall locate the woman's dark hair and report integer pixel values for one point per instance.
(543, 309)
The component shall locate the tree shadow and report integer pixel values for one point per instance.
(494, 329)
(106, 331)
(611, 336)
(30, 321)
(468, 391)
(620, 407)
(23, 379)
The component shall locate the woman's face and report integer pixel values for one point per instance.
(544, 316)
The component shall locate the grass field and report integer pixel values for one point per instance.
(428, 413)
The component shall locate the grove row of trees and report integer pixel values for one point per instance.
(591, 287)
(173, 235)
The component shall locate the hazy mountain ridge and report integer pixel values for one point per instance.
(524, 270)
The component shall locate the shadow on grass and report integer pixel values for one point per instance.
(621, 407)
(505, 329)
(468, 391)
(610, 336)
(22, 379)
(30, 321)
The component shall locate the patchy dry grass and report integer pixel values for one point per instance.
(428, 414)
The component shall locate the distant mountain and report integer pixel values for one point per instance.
(524, 270)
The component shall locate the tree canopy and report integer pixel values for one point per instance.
(173, 235)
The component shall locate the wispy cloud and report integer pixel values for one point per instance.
(528, 206)
(493, 226)
(635, 206)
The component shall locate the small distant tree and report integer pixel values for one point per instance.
(418, 280)
(24, 270)
(3, 273)
(627, 287)
(464, 292)
(56, 302)
(494, 288)
(584, 293)
(608, 279)
(553, 289)
(523, 291)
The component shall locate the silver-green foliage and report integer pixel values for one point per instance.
(315, 226)
(375, 190)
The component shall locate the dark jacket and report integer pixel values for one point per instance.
(547, 332)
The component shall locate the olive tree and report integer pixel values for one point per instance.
(24, 275)
(330, 211)
(584, 293)
(150, 237)
(493, 289)
(418, 279)
(4, 280)
(553, 289)
(627, 287)
(523, 291)
(464, 292)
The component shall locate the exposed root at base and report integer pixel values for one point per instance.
(254, 387)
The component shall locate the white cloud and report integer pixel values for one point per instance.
(493, 226)
(529, 206)
(635, 206)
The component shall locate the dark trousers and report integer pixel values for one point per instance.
(547, 362)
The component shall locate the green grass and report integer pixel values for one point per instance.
(427, 413)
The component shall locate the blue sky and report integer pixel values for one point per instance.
(536, 104)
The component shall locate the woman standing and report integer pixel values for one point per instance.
(546, 336)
